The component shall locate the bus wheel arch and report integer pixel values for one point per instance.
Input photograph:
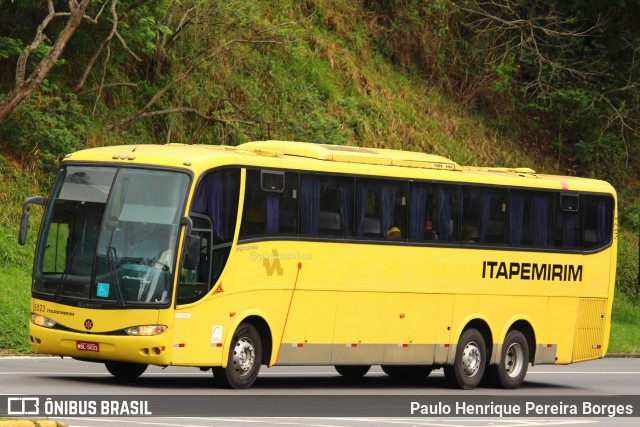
(527, 330)
(483, 327)
(265, 336)
(250, 347)
(471, 355)
(262, 326)
(516, 352)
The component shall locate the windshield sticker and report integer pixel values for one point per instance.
(103, 290)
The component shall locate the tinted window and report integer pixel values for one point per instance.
(530, 218)
(568, 223)
(270, 203)
(214, 215)
(483, 215)
(326, 206)
(381, 209)
(432, 212)
(598, 218)
(217, 198)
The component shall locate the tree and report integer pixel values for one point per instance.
(24, 87)
(573, 66)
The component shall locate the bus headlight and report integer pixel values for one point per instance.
(146, 330)
(40, 320)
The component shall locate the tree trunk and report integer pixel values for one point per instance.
(24, 88)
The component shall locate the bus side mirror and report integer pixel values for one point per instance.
(192, 256)
(24, 221)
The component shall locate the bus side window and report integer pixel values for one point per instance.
(270, 204)
(443, 211)
(568, 222)
(484, 215)
(432, 212)
(530, 218)
(253, 222)
(194, 283)
(288, 212)
(368, 222)
(215, 209)
(381, 206)
(598, 217)
(471, 207)
(325, 205)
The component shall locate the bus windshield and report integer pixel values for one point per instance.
(109, 236)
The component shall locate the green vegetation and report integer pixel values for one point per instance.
(548, 85)
(625, 334)
(14, 300)
(15, 274)
(625, 330)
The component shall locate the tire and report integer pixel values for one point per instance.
(245, 358)
(417, 372)
(353, 371)
(470, 361)
(124, 370)
(514, 362)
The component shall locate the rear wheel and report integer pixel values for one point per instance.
(353, 371)
(245, 358)
(514, 362)
(407, 371)
(125, 370)
(470, 361)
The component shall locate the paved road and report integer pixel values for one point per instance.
(322, 390)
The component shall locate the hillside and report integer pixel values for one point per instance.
(408, 75)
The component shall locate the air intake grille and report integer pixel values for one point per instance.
(589, 336)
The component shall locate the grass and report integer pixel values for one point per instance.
(15, 292)
(625, 333)
(18, 182)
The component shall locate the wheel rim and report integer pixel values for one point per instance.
(514, 360)
(244, 356)
(471, 359)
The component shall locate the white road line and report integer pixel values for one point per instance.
(402, 421)
(586, 372)
(138, 421)
(271, 421)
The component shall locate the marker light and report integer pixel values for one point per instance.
(146, 330)
(40, 320)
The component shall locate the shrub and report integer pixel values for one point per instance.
(44, 128)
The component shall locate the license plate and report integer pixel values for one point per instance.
(87, 346)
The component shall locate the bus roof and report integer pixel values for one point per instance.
(331, 158)
(348, 154)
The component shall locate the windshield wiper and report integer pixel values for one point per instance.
(112, 259)
(65, 273)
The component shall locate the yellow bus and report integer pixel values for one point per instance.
(289, 253)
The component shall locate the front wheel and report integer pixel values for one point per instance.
(353, 371)
(514, 362)
(124, 370)
(470, 361)
(245, 358)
